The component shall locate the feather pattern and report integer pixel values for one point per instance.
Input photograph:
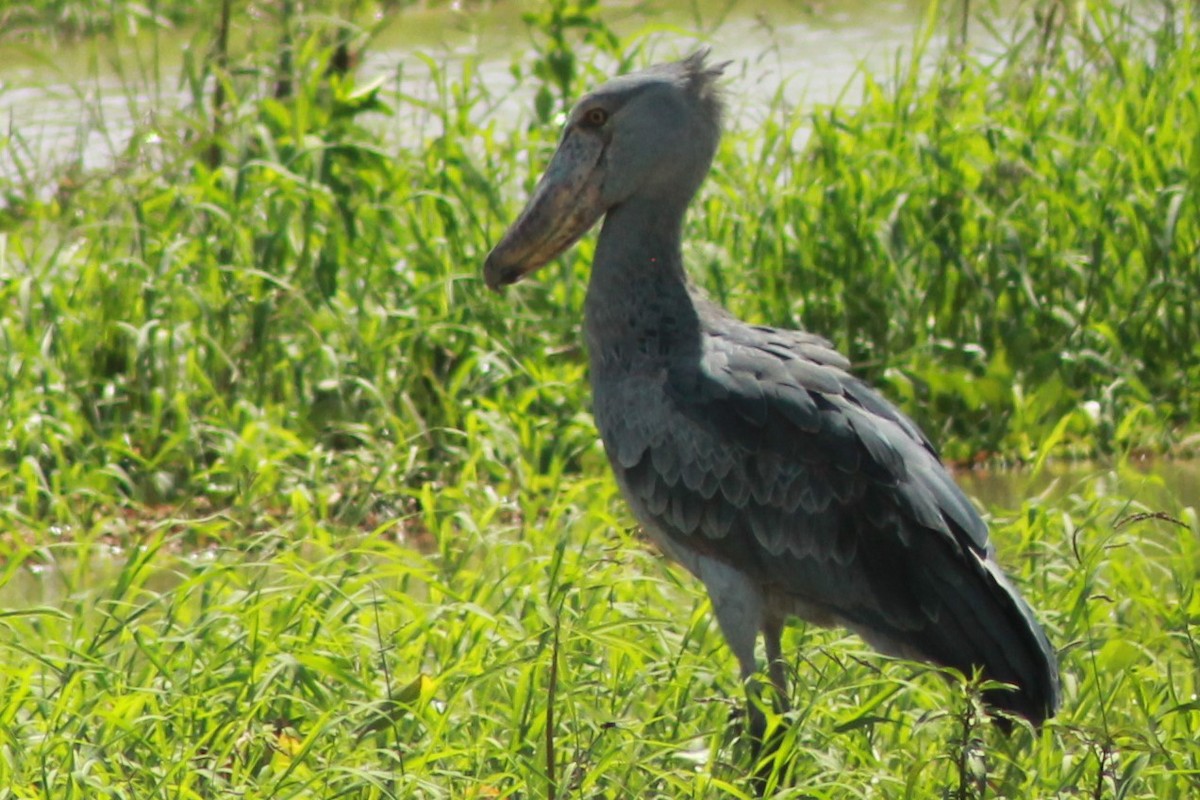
(759, 449)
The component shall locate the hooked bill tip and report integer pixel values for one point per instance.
(497, 275)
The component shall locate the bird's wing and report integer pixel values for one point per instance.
(764, 451)
(759, 449)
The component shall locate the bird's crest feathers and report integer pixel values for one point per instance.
(700, 78)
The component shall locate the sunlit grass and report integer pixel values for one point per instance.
(291, 507)
(315, 659)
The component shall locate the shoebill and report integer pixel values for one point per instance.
(752, 455)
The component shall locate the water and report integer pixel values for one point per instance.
(1155, 485)
(76, 108)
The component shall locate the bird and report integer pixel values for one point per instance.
(752, 455)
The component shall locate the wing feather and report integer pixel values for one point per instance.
(756, 448)
(763, 446)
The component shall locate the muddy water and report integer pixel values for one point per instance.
(1153, 485)
(76, 107)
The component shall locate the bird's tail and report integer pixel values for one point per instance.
(982, 623)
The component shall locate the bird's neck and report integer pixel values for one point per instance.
(639, 307)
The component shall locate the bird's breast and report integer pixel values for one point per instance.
(630, 403)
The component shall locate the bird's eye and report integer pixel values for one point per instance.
(595, 117)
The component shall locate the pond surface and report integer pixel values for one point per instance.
(1157, 485)
(77, 106)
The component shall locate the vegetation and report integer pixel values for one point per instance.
(69, 19)
(291, 507)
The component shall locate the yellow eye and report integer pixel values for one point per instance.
(594, 117)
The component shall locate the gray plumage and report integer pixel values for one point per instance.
(750, 454)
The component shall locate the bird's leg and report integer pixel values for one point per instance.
(751, 720)
(772, 635)
(741, 640)
(738, 605)
(765, 747)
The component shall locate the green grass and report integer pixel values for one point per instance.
(313, 662)
(66, 20)
(290, 506)
(997, 254)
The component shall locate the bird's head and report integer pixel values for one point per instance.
(650, 134)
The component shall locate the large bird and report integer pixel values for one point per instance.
(750, 454)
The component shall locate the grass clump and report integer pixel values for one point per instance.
(292, 508)
(32, 20)
(1010, 243)
(512, 653)
(273, 302)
